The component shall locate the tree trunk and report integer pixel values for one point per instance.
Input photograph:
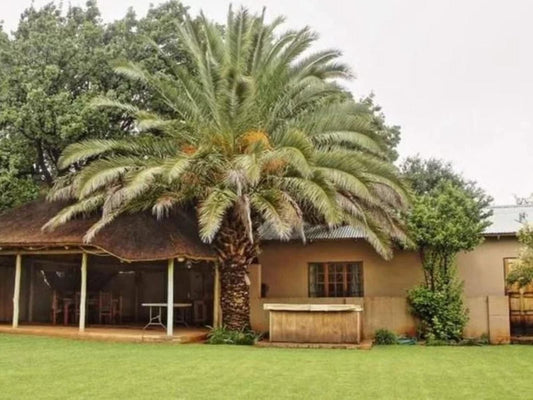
(235, 253)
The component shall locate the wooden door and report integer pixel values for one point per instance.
(520, 305)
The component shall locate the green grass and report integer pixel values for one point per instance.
(46, 368)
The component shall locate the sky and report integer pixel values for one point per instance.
(455, 75)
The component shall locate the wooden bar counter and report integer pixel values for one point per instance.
(315, 323)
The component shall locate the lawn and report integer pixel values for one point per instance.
(46, 368)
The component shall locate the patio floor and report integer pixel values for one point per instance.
(111, 333)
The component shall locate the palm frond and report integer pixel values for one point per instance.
(213, 210)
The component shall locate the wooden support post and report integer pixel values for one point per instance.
(136, 310)
(16, 292)
(170, 298)
(358, 327)
(217, 320)
(83, 291)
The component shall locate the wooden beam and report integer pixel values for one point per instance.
(16, 291)
(83, 291)
(170, 298)
(7, 252)
(217, 317)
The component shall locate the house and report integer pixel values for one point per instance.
(137, 261)
(339, 266)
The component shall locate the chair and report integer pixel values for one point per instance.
(77, 301)
(117, 310)
(105, 307)
(180, 316)
(56, 308)
(199, 312)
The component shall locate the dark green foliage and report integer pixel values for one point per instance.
(441, 312)
(390, 134)
(522, 273)
(57, 60)
(425, 175)
(16, 191)
(482, 340)
(384, 336)
(225, 336)
(446, 220)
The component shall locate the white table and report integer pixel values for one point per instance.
(155, 320)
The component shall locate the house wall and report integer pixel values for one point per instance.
(283, 269)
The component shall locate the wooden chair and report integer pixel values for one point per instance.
(117, 310)
(199, 312)
(105, 307)
(56, 308)
(180, 316)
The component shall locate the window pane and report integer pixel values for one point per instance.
(313, 279)
(355, 283)
(336, 279)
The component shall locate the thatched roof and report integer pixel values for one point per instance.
(131, 237)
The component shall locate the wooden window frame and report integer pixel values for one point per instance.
(326, 271)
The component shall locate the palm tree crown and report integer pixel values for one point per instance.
(255, 127)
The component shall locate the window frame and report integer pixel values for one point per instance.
(326, 265)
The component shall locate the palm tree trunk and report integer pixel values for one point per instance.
(235, 253)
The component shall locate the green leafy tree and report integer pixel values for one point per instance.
(448, 216)
(390, 134)
(256, 134)
(52, 67)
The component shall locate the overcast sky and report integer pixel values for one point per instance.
(455, 75)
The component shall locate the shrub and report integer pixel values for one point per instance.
(432, 341)
(223, 335)
(482, 340)
(384, 336)
(441, 312)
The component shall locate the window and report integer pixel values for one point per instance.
(336, 279)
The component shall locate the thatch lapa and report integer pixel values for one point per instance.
(127, 274)
(131, 237)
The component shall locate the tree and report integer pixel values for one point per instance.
(390, 133)
(522, 272)
(448, 216)
(524, 201)
(424, 175)
(254, 136)
(52, 67)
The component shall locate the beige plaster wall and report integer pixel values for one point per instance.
(284, 269)
(482, 269)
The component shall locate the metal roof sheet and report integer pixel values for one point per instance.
(506, 220)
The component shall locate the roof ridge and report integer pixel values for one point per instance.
(512, 206)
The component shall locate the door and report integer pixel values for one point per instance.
(520, 305)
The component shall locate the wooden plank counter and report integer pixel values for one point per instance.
(315, 323)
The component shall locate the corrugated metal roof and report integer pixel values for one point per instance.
(506, 220)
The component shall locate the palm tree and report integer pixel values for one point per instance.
(256, 135)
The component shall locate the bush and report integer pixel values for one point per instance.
(482, 340)
(441, 312)
(225, 336)
(384, 336)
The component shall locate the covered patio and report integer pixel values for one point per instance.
(139, 279)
